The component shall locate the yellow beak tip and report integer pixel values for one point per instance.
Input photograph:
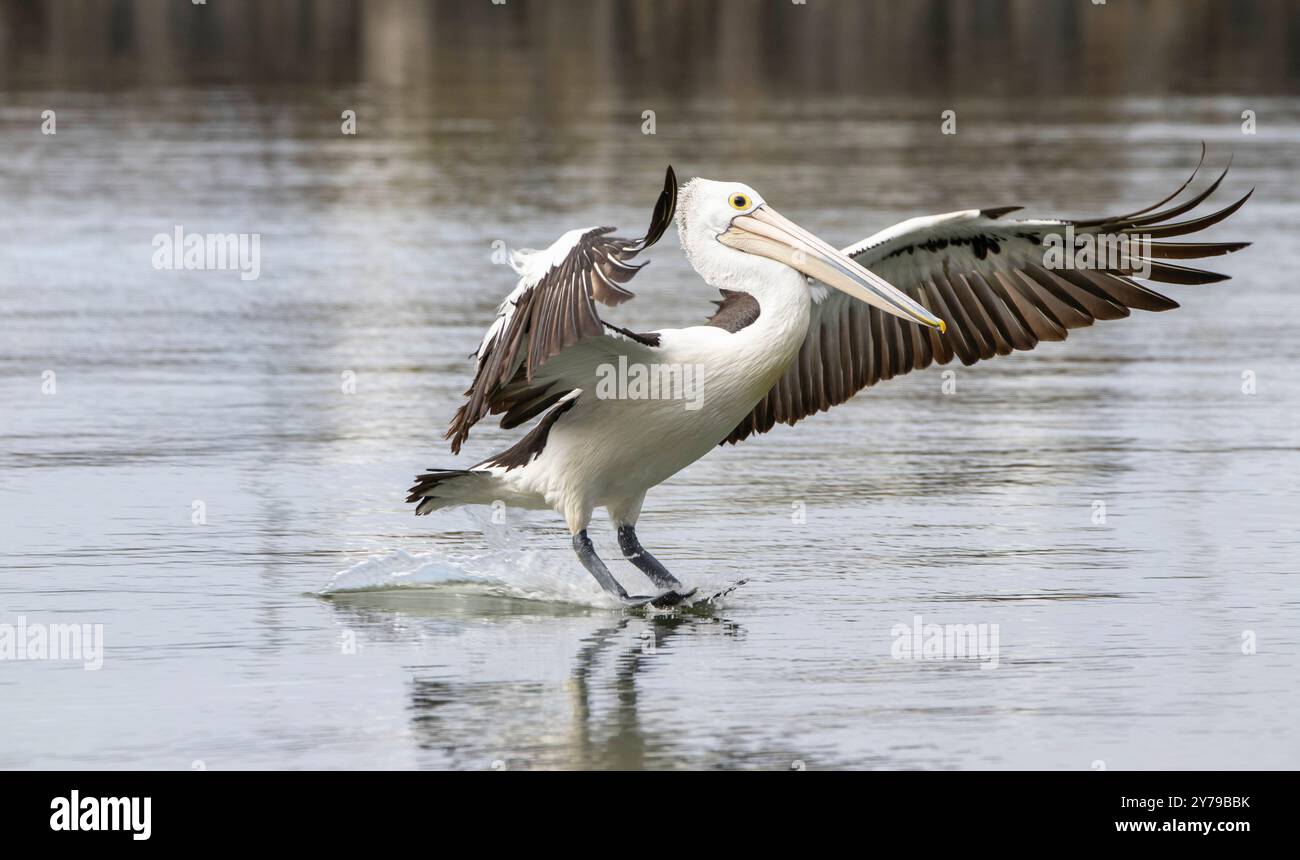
(943, 327)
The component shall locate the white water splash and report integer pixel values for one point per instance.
(507, 566)
(526, 574)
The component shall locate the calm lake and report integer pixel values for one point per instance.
(191, 457)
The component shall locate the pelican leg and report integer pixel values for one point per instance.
(641, 557)
(587, 555)
(649, 565)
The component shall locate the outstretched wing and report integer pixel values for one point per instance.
(552, 308)
(996, 284)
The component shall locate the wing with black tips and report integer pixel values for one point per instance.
(552, 308)
(996, 284)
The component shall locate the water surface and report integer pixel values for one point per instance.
(1120, 642)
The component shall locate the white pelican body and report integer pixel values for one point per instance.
(801, 327)
(608, 453)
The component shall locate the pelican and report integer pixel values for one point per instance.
(800, 328)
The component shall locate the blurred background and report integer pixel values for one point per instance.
(293, 410)
(541, 57)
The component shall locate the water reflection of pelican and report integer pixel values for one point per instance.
(514, 702)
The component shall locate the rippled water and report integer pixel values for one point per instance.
(1119, 642)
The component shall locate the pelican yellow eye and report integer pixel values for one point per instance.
(739, 201)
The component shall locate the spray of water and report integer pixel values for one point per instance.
(510, 564)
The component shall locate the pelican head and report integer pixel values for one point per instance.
(725, 225)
